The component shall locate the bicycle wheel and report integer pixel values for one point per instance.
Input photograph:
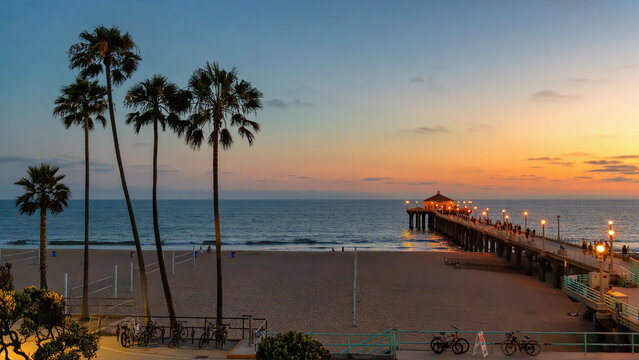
(202, 340)
(146, 338)
(124, 339)
(508, 347)
(158, 333)
(437, 345)
(533, 348)
(464, 345)
(457, 348)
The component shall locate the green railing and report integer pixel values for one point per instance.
(560, 341)
(625, 314)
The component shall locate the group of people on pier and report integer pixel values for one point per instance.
(591, 246)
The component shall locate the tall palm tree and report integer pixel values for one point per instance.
(109, 51)
(83, 103)
(44, 191)
(223, 101)
(159, 103)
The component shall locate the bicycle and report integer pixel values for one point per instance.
(214, 333)
(457, 344)
(154, 331)
(129, 334)
(179, 334)
(528, 345)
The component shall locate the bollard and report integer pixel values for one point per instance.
(131, 279)
(115, 281)
(173, 264)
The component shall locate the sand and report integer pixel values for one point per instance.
(313, 291)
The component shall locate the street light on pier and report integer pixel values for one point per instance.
(503, 214)
(600, 253)
(484, 214)
(558, 232)
(543, 234)
(475, 212)
(612, 252)
(525, 220)
(507, 217)
(488, 213)
(407, 202)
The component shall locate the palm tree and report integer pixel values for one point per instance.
(43, 191)
(107, 50)
(221, 100)
(159, 102)
(82, 103)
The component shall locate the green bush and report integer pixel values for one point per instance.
(291, 345)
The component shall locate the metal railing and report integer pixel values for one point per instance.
(624, 313)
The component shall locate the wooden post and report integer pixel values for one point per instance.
(423, 221)
(355, 288)
(410, 221)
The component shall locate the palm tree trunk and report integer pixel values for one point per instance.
(134, 228)
(156, 230)
(43, 247)
(84, 315)
(216, 215)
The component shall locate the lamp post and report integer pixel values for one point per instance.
(475, 212)
(488, 213)
(612, 253)
(507, 217)
(558, 232)
(525, 220)
(416, 204)
(600, 251)
(503, 215)
(407, 202)
(543, 234)
(484, 214)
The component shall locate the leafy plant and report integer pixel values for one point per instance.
(38, 315)
(291, 345)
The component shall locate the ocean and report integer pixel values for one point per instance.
(302, 225)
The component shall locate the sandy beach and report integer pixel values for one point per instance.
(312, 291)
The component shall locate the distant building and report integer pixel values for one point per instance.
(438, 201)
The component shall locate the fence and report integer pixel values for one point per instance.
(625, 314)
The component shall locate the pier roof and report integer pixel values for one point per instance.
(439, 198)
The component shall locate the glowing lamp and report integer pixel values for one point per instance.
(525, 213)
(611, 232)
(600, 249)
(507, 217)
(483, 213)
(543, 222)
(610, 222)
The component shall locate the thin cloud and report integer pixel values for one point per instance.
(619, 179)
(63, 161)
(602, 162)
(584, 81)
(621, 169)
(552, 96)
(577, 153)
(478, 127)
(623, 157)
(544, 158)
(430, 129)
(428, 83)
(373, 179)
(281, 104)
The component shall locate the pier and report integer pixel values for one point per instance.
(564, 265)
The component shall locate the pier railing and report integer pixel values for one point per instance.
(624, 313)
(390, 341)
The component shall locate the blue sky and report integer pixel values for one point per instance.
(360, 96)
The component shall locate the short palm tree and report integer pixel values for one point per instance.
(159, 103)
(44, 191)
(83, 103)
(223, 101)
(108, 50)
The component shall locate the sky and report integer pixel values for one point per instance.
(362, 99)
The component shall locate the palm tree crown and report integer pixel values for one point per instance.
(105, 47)
(84, 100)
(222, 100)
(43, 190)
(159, 100)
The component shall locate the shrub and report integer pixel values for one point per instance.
(291, 345)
